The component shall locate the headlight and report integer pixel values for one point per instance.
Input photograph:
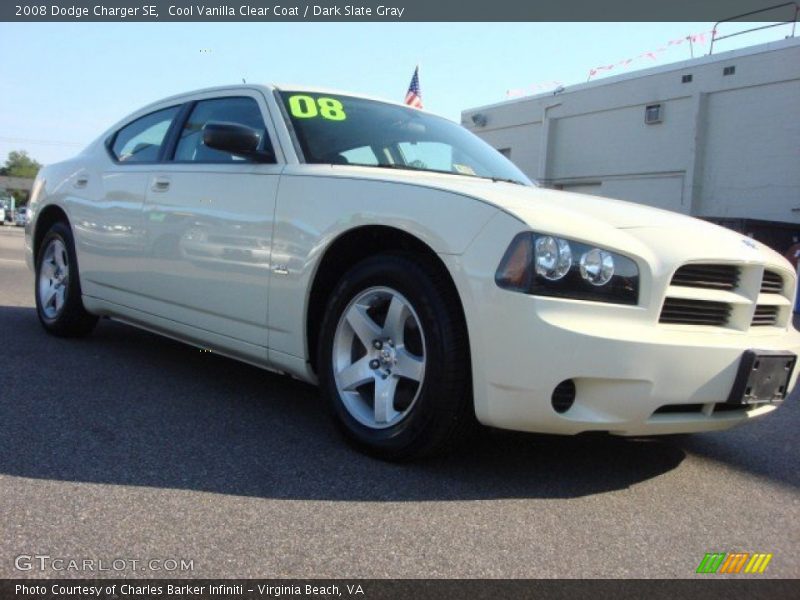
(553, 257)
(545, 265)
(597, 266)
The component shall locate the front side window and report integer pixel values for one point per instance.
(238, 110)
(141, 140)
(334, 129)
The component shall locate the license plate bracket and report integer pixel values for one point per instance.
(763, 376)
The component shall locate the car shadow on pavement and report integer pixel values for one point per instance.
(126, 407)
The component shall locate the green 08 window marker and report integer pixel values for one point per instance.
(306, 107)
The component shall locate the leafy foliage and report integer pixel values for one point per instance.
(19, 164)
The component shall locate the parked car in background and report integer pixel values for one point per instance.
(21, 218)
(5, 208)
(409, 269)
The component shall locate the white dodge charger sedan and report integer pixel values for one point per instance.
(410, 270)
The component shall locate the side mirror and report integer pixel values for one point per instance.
(239, 140)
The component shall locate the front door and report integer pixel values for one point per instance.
(208, 216)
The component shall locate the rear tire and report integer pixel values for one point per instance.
(57, 286)
(394, 361)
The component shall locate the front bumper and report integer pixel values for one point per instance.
(632, 374)
(623, 372)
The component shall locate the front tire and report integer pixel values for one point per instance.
(57, 288)
(394, 360)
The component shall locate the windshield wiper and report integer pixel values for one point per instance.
(413, 168)
(403, 167)
(503, 179)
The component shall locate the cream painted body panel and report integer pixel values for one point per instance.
(209, 238)
(318, 203)
(244, 244)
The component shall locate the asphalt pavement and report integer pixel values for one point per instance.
(128, 445)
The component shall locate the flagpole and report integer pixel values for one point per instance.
(418, 80)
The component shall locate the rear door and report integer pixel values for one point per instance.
(208, 218)
(106, 207)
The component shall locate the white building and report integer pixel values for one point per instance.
(716, 137)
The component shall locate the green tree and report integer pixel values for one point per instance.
(19, 164)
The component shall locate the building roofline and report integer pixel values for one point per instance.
(657, 70)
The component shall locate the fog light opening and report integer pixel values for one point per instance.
(563, 396)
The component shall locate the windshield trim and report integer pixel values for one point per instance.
(298, 150)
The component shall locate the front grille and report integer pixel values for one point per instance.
(765, 315)
(772, 283)
(695, 312)
(714, 277)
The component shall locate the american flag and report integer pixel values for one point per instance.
(414, 96)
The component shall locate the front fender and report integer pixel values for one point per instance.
(315, 208)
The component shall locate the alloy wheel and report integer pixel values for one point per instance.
(379, 357)
(53, 278)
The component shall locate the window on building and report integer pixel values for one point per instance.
(652, 114)
(686, 79)
(729, 70)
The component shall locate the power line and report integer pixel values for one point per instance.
(40, 142)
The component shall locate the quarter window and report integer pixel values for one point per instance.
(238, 110)
(141, 140)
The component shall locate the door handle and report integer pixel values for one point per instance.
(81, 182)
(160, 184)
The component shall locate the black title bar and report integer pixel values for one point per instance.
(390, 10)
(707, 587)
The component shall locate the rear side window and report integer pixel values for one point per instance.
(141, 140)
(237, 110)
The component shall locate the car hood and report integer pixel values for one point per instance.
(643, 229)
(526, 201)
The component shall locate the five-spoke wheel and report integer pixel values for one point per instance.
(393, 357)
(58, 288)
(53, 278)
(379, 357)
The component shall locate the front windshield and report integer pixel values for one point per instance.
(333, 129)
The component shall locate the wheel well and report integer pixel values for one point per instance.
(50, 215)
(349, 249)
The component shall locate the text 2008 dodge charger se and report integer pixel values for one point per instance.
(411, 270)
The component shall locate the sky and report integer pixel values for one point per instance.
(63, 84)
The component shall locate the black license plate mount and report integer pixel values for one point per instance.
(763, 376)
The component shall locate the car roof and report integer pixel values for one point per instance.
(268, 88)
